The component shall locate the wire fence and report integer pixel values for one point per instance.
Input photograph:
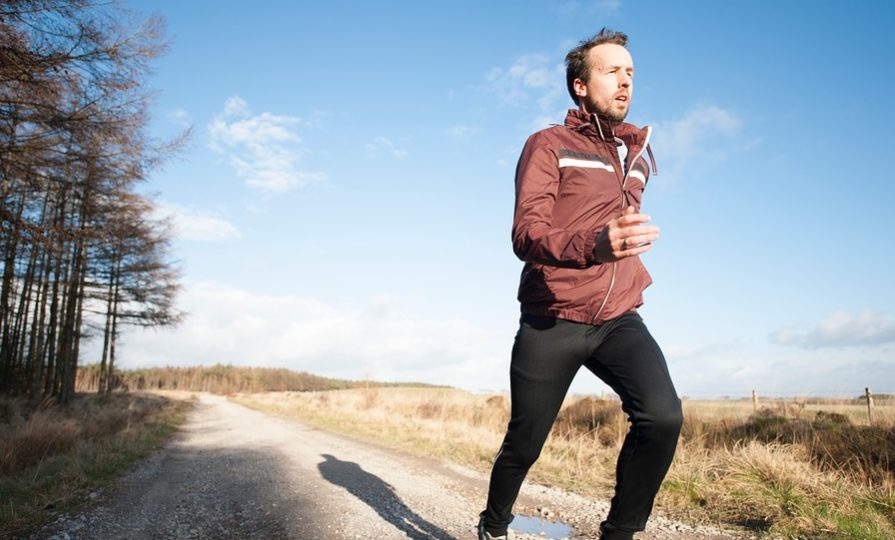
(776, 393)
(861, 406)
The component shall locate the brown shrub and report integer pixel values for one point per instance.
(105, 423)
(494, 413)
(429, 409)
(832, 441)
(868, 451)
(607, 436)
(51, 429)
(43, 435)
(832, 418)
(10, 412)
(498, 402)
(587, 415)
(370, 399)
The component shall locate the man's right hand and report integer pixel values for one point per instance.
(625, 236)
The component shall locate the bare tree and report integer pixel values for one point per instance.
(73, 148)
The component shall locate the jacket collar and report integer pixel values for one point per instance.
(599, 126)
(635, 138)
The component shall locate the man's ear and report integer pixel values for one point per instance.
(580, 87)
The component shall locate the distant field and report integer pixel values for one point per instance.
(805, 408)
(817, 471)
(218, 379)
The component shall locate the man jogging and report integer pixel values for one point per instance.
(579, 230)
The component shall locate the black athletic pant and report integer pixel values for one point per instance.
(546, 355)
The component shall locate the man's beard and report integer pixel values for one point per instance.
(614, 116)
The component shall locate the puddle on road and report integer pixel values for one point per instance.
(541, 527)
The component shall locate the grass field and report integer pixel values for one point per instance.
(817, 471)
(53, 457)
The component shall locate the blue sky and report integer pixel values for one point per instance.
(344, 204)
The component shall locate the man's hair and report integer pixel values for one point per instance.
(577, 66)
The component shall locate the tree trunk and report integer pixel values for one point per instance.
(76, 349)
(114, 321)
(11, 230)
(55, 309)
(20, 330)
(34, 360)
(7, 346)
(103, 375)
(38, 348)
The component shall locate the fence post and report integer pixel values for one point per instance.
(869, 404)
(754, 401)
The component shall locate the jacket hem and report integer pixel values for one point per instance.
(564, 314)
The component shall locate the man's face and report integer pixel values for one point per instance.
(609, 89)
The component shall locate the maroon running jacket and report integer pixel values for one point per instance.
(569, 184)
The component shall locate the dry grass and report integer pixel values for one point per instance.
(51, 457)
(819, 472)
(440, 417)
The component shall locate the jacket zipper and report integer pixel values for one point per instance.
(608, 292)
(649, 131)
(624, 200)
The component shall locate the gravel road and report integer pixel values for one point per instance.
(233, 472)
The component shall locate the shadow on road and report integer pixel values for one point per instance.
(380, 496)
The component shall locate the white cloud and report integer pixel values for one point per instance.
(842, 329)
(385, 145)
(376, 338)
(532, 83)
(236, 106)
(704, 136)
(264, 148)
(735, 367)
(532, 78)
(179, 117)
(197, 225)
(686, 136)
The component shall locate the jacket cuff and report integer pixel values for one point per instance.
(590, 244)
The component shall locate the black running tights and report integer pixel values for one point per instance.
(546, 356)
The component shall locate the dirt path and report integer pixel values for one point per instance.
(238, 473)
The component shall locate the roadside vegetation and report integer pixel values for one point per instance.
(218, 379)
(53, 457)
(83, 251)
(796, 469)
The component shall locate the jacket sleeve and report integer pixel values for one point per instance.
(535, 238)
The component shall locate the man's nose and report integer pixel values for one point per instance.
(625, 80)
